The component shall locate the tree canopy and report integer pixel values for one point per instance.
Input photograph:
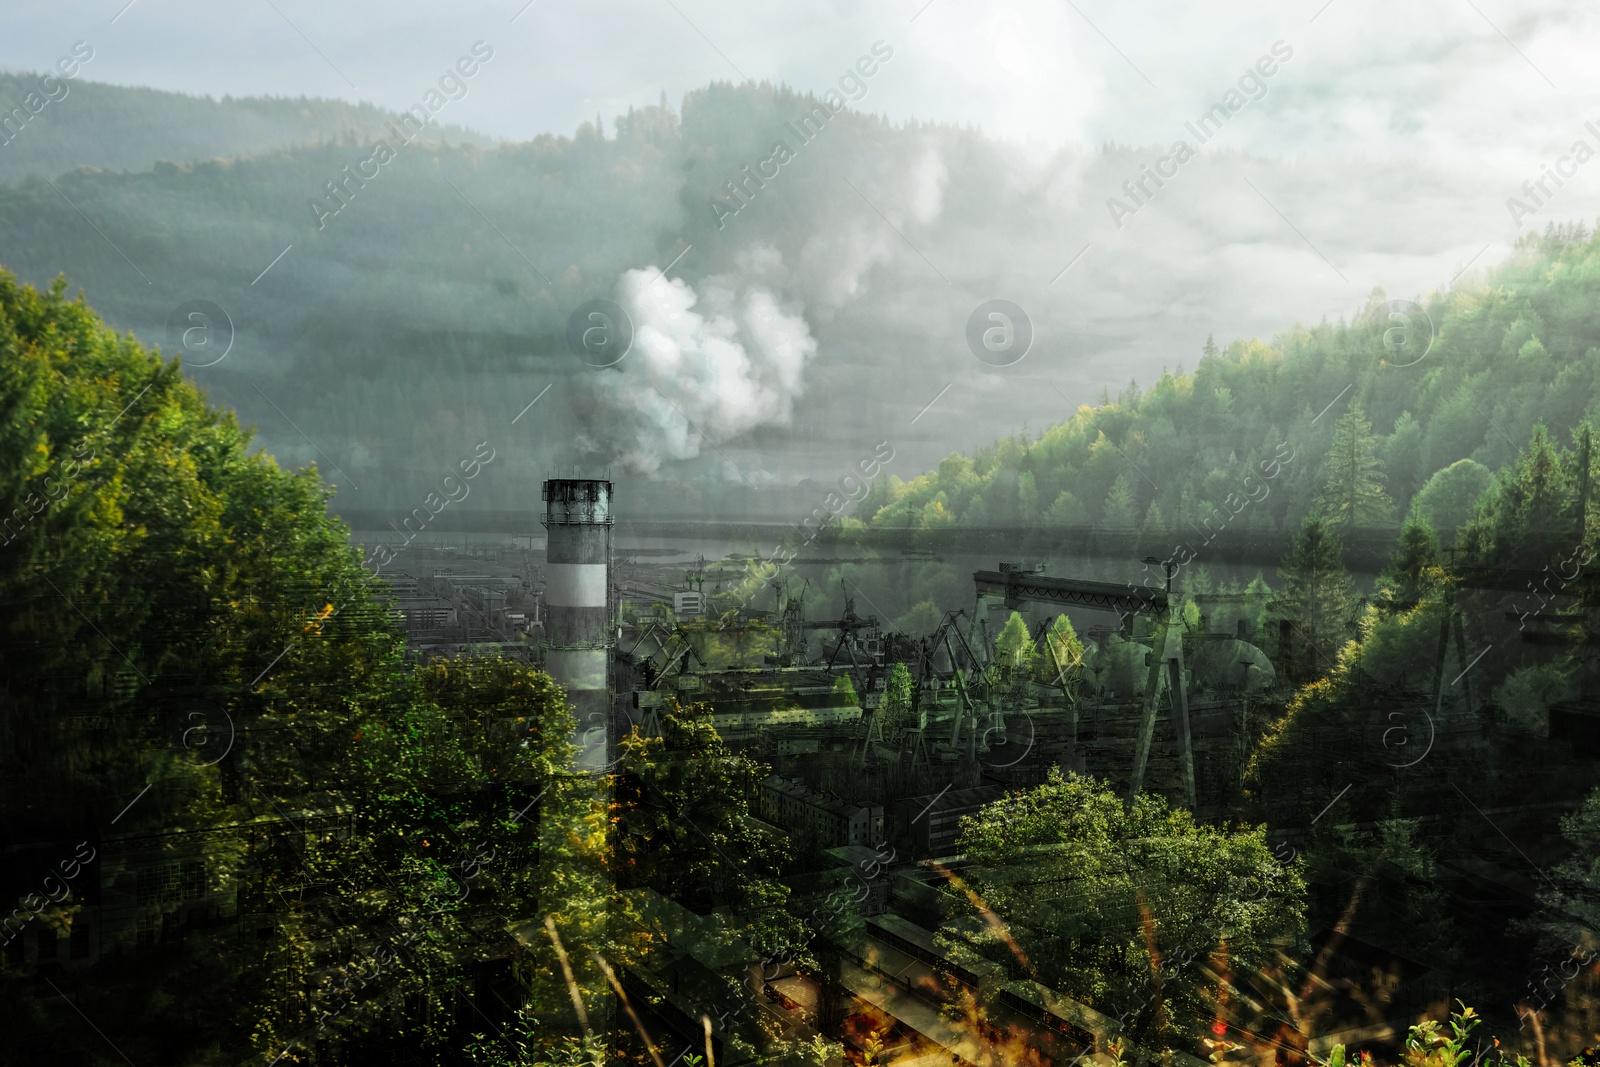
(1087, 895)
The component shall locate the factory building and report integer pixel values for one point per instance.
(931, 825)
(831, 820)
(577, 607)
(425, 612)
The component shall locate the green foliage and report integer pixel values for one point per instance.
(1353, 495)
(1530, 519)
(1252, 609)
(845, 690)
(1316, 590)
(1118, 512)
(1083, 887)
(1393, 877)
(158, 564)
(1014, 654)
(1414, 570)
(1448, 498)
(1531, 506)
(898, 696)
(1402, 455)
(525, 1046)
(384, 813)
(1569, 912)
(1525, 697)
(1427, 1045)
(1065, 511)
(683, 825)
(1199, 435)
(1060, 658)
(469, 821)
(746, 643)
(923, 618)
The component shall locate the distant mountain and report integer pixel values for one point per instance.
(1243, 446)
(393, 305)
(117, 128)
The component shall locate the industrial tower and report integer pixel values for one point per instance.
(578, 611)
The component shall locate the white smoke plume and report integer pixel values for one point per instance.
(721, 362)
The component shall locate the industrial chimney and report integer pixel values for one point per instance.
(577, 607)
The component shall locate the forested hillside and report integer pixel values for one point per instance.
(433, 303)
(197, 670)
(113, 127)
(1517, 347)
(1438, 698)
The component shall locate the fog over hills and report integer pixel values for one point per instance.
(118, 128)
(392, 307)
(688, 532)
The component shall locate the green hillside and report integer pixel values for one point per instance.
(1517, 347)
(113, 127)
(439, 293)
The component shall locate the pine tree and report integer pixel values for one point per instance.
(1118, 513)
(1060, 655)
(1027, 498)
(1414, 568)
(1153, 536)
(897, 699)
(1257, 600)
(1316, 588)
(1014, 653)
(1066, 511)
(1530, 502)
(1353, 495)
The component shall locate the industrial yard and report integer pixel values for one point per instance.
(875, 745)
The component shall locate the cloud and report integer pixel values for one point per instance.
(927, 187)
(715, 364)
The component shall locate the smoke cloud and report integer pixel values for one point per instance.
(721, 362)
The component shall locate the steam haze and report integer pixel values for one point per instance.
(828, 312)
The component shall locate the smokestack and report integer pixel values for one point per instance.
(577, 609)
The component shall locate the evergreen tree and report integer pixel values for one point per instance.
(1317, 589)
(1528, 510)
(1403, 904)
(1414, 570)
(1257, 602)
(898, 696)
(1060, 655)
(1066, 511)
(1569, 913)
(1153, 536)
(1118, 513)
(1353, 496)
(1027, 498)
(1014, 654)
(1402, 455)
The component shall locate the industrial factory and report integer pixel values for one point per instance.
(877, 742)
(1148, 701)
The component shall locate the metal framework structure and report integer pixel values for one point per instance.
(1018, 586)
(1166, 658)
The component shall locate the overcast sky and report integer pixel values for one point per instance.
(1469, 81)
